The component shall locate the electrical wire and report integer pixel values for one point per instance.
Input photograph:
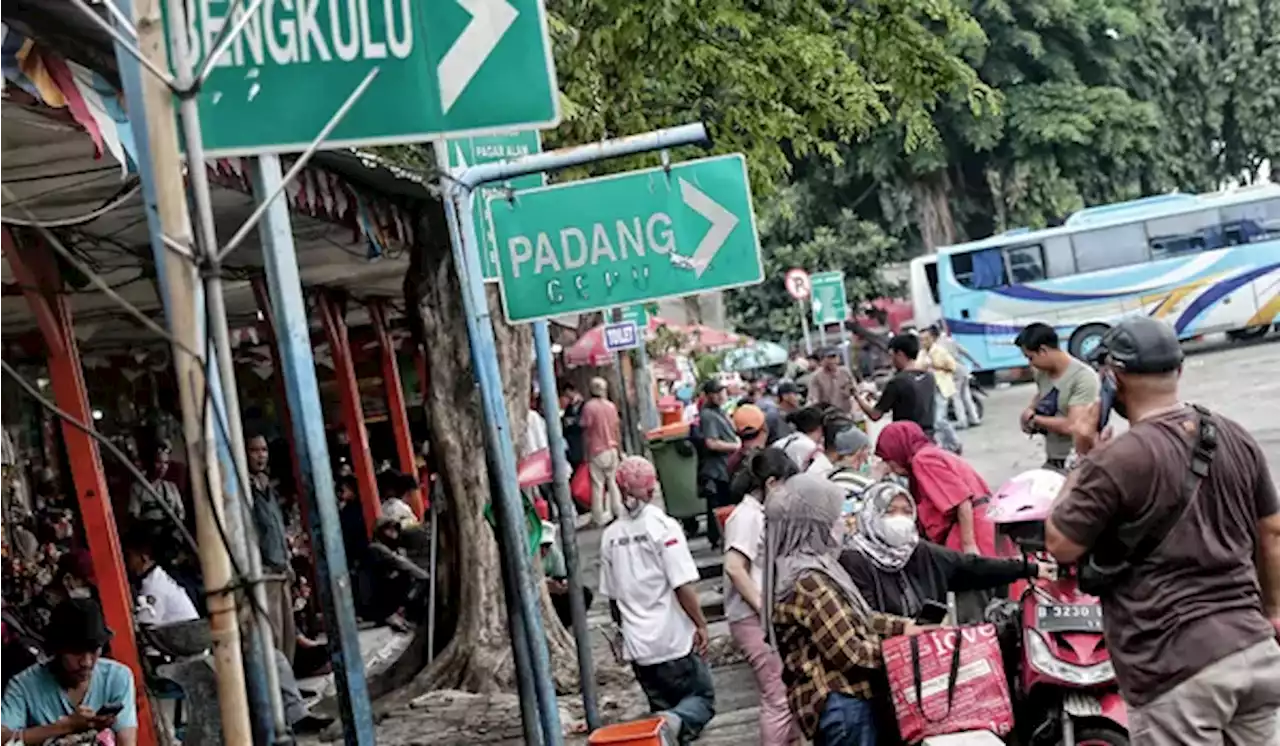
(88, 217)
(111, 448)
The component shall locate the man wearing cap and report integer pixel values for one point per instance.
(719, 441)
(76, 691)
(789, 400)
(1192, 622)
(832, 383)
(847, 448)
(648, 575)
(1066, 389)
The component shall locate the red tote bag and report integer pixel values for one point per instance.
(580, 486)
(948, 681)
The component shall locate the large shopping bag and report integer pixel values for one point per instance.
(580, 486)
(948, 681)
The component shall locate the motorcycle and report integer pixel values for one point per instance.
(1061, 676)
(979, 399)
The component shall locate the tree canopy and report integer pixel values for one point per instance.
(1099, 101)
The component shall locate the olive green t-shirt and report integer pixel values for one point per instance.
(1077, 386)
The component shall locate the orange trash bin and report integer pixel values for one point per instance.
(647, 732)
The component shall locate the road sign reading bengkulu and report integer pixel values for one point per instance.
(469, 151)
(445, 66)
(627, 238)
(830, 304)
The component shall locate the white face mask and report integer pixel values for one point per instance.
(899, 530)
(633, 505)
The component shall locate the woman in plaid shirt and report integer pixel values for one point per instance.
(828, 637)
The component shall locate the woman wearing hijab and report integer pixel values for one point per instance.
(951, 499)
(898, 572)
(828, 637)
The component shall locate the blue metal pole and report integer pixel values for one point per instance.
(520, 644)
(484, 354)
(302, 391)
(568, 514)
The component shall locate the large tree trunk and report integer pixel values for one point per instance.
(933, 210)
(478, 657)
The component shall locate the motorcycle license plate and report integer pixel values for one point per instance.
(1069, 618)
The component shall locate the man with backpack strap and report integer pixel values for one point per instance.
(1176, 525)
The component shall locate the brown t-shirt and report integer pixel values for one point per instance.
(835, 388)
(1196, 598)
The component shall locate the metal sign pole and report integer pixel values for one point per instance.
(521, 644)
(303, 392)
(459, 198)
(804, 326)
(568, 515)
(509, 514)
(238, 490)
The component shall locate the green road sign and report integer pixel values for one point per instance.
(637, 314)
(445, 67)
(468, 151)
(830, 304)
(627, 238)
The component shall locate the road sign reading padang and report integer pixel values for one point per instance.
(626, 238)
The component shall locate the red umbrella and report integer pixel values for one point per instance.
(590, 347)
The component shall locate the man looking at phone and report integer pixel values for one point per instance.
(76, 691)
(1066, 389)
(1184, 508)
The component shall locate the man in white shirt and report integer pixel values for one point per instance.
(648, 575)
(160, 599)
(802, 445)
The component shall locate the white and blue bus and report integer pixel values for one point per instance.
(1203, 263)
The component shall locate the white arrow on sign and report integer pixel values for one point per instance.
(490, 20)
(722, 224)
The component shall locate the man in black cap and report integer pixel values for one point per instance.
(790, 399)
(76, 693)
(719, 441)
(1176, 525)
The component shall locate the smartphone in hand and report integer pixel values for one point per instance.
(933, 613)
(110, 710)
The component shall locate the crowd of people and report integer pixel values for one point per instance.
(820, 571)
(54, 632)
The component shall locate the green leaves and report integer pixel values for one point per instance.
(779, 81)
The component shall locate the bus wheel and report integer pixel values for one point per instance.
(1249, 332)
(1086, 339)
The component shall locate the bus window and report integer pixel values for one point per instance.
(980, 270)
(1253, 221)
(1105, 248)
(1184, 234)
(1026, 264)
(931, 276)
(1059, 259)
